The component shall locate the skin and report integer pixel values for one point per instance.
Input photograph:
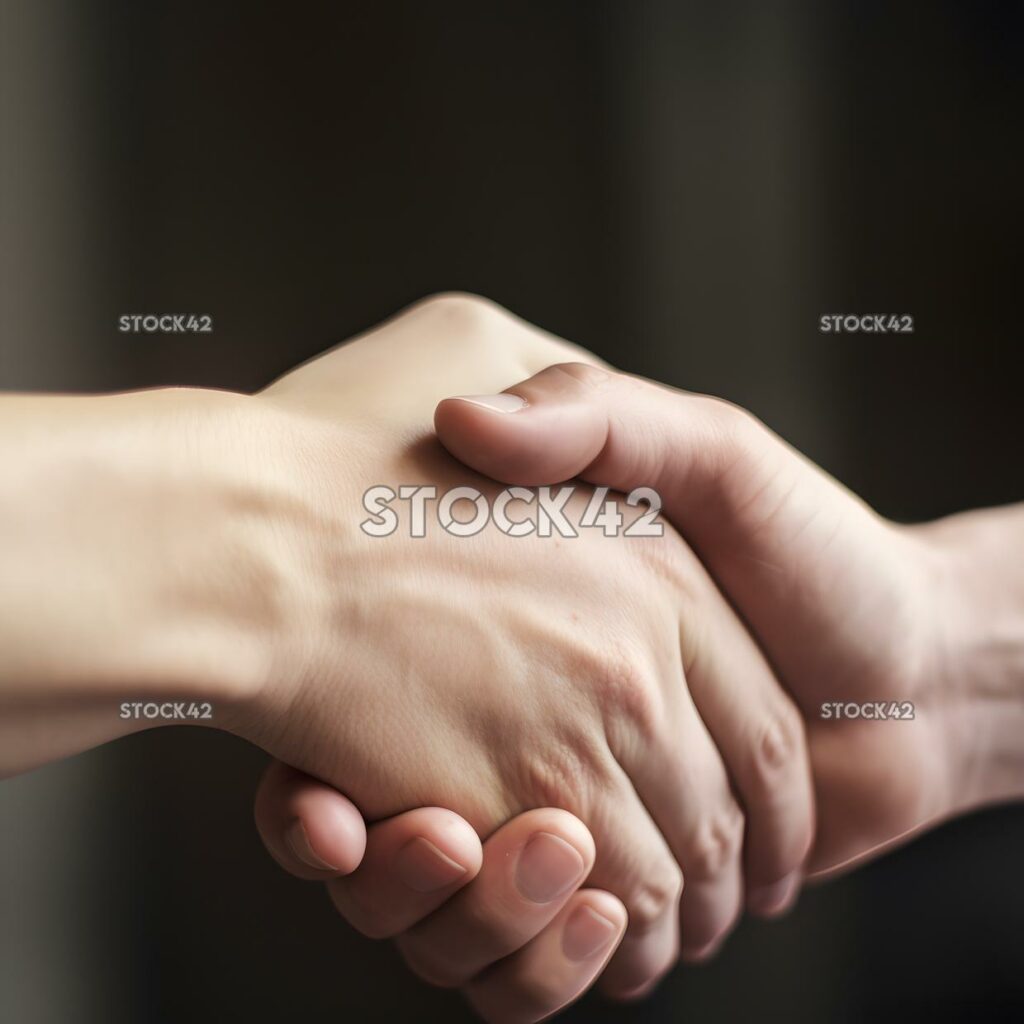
(607, 720)
(848, 607)
(592, 709)
(215, 555)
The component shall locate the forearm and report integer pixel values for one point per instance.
(131, 565)
(981, 596)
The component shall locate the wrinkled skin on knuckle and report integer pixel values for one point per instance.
(716, 842)
(778, 751)
(651, 897)
(778, 758)
(570, 771)
(631, 696)
(618, 678)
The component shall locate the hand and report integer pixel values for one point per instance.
(561, 685)
(426, 878)
(215, 560)
(848, 607)
(575, 430)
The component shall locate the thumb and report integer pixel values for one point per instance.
(546, 429)
(775, 530)
(706, 457)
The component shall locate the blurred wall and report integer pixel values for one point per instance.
(683, 187)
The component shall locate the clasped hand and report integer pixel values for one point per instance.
(666, 695)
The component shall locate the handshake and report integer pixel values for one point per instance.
(578, 755)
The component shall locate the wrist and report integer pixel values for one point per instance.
(979, 645)
(136, 562)
(303, 479)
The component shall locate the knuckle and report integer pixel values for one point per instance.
(778, 750)
(587, 375)
(653, 898)
(462, 309)
(629, 691)
(714, 845)
(733, 420)
(481, 328)
(582, 377)
(734, 434)
(569, 774)
(479, 322)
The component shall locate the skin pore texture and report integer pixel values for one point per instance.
(215, 554)
(574, 652)
(638, 717)
(848, 607)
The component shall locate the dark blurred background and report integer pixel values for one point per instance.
(684, 188)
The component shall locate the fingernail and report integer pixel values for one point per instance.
(496, 403)
(586, 933)
(423, 867)
(548, 868)
(775, 898)
(298, 842)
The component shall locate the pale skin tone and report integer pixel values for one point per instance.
(214, 555)
(848, 607)
(205, 546)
